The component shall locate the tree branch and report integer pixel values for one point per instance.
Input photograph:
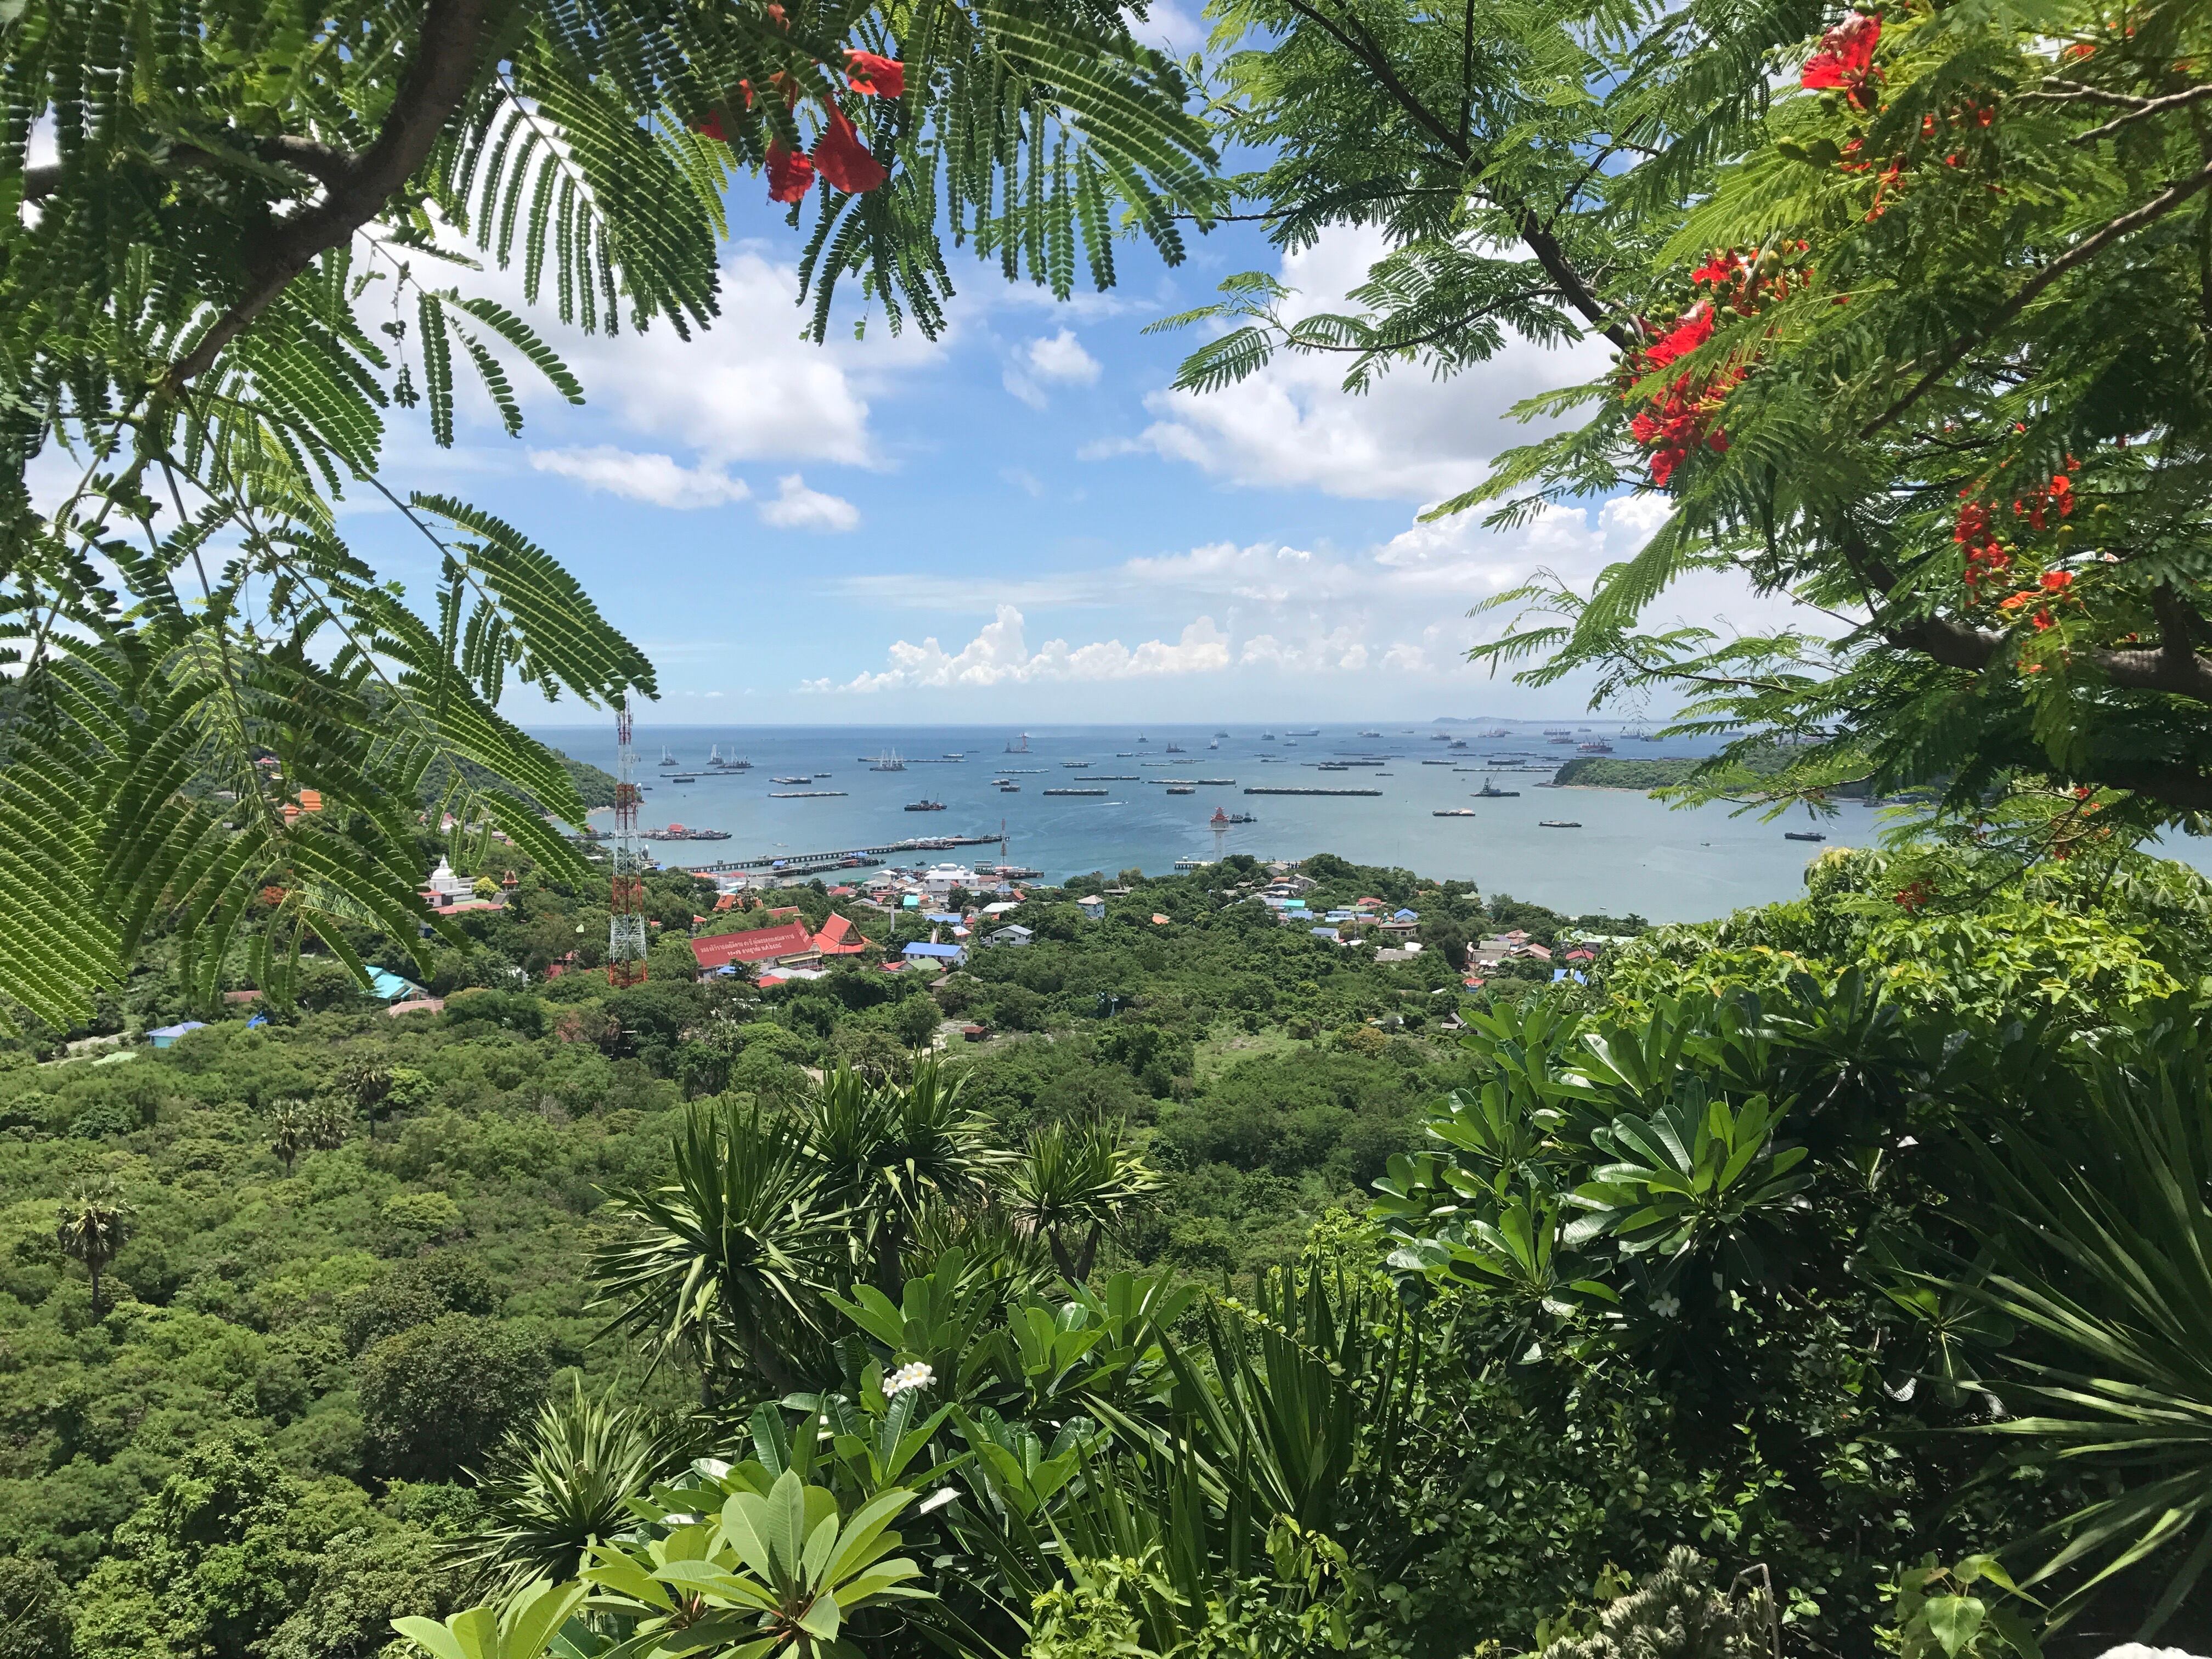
(439, 74)
(1538, 236)
(1378, 64)
(319, 162)
(2082, 251)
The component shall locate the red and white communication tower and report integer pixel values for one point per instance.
(626, 904)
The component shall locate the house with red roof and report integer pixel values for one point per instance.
(837, 937)
(789, 944)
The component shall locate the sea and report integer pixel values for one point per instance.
(1629, 855)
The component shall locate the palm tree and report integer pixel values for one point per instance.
(888, 1152)
(367, 1083)
(553, 1490)
(1079, 1179)
(727, 1263)
(93, 1229)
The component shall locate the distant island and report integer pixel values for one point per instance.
(1609, 772)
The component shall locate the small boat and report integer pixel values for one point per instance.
(808, 778)
(1453, 812)
(1076, 765)
(1266, 737)
(1010, 789)
(1802, 835)
(1370, 734)
(685, 777)
(925, 804)
(1216, 743)
(1220, 734)
(668, 761)
(1491, 792)
(1558, 824)
(1566, 738)
(1243, 817)
(1001, 782)
(1172, 749)
(1181, 789)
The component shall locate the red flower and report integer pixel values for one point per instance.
(843, 160)
(874, 77)
(2042, 620)
(1721, 268)
(1844, 57)
(712, 128)
(790, 175)
(1686, 337)
(2058, 581)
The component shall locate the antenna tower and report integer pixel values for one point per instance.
(626, 903)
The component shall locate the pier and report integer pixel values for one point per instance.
(843, 858)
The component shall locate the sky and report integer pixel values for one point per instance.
(1020, 521)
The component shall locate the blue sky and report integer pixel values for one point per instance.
(1019, 522)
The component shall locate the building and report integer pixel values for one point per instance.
(940, 879)
(837, 937)
(1011, 933)
(1093, 907)
(383, 982)
(790, 945)
(948, 955)
(444, 887)
(162, 1036)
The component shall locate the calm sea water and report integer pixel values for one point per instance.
(1633, 853)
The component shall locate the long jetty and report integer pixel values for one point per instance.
(805, 862)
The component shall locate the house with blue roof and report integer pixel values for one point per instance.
(162, 1036)
(922, 951)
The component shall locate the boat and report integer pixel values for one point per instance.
(1181, 789)
(1018, 745)
(1074, 792)
(1566, 738)
(1459, 743)
(1491, 792)
(685, 777)
(1010, 789)
(1558, 824)
(1216, 743)
(1076, 765)
(1141, 738)
(1453, 812)
(1601, 747)
(1257, 790)
(669, 761)
(953, 755)
(803, 794)
(678, 832)
(1220, 734)
(1291, 732)
(1370, 734)
(1172, 749)
(925, 804)
(1802, 835)
(1243, 817)
(889, 760)
(808, 778)
(1266, 737)
(1557, 731)
(1000, 783)
(1494, 732)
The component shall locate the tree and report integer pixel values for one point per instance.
(1958, 415)
(916, 1021)
(93, 1227)
(1074, 1184)
(184, 316)
(34, 1610)
(438, 1396)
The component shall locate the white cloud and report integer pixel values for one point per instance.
(798, 508)
(999, 655)
(659, 479)
(748, 388)
(1293, 425)
(1058, 359)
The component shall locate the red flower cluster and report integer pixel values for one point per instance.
(1911, 897)
(2037, 505)
(1985, 557)
(839, 156)
(1679, 422)
(1844, 61)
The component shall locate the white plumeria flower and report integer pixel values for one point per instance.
(937, 1500)
(916, 1376)
(1666, 1306)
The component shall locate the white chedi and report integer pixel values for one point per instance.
(915, 1376)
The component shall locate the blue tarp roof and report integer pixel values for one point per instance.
(178, 1031)
(1322, 932)
(921, 948)
(383, 982)
(1405, 915)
